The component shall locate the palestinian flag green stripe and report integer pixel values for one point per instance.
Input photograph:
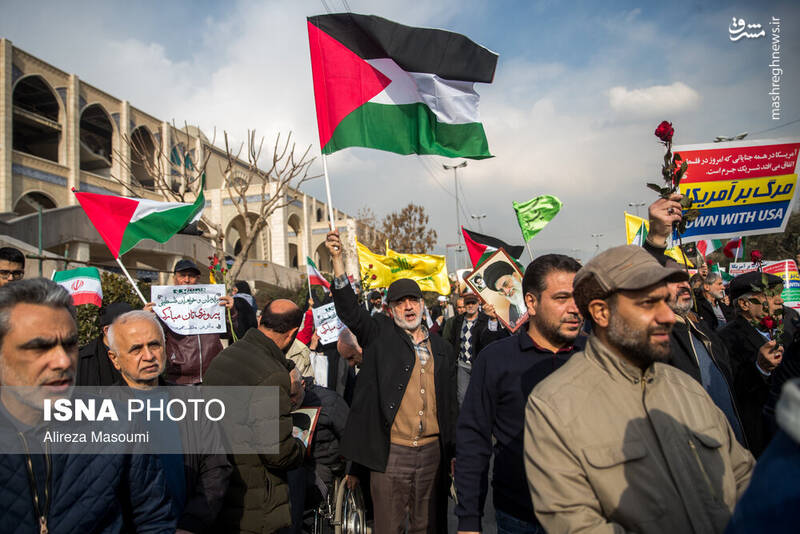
(408, 129)
(160, 225)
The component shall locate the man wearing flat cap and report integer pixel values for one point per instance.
(402, 419)
(615, 439)
(753, 353)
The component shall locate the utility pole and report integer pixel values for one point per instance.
(636, 206)
(458, 206)
(597, 243)
(478, 218)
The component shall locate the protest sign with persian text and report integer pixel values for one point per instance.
(189, 310)
(739, 188)
(786, 269)
(327, 323)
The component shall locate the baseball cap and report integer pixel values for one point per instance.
(405, 287)
(469, 297)
(628, 267)
(186, 265)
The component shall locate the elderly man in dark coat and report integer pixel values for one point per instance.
(402, 420)
(754, 355)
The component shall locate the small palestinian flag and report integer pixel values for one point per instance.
(382, 85)
(315, 278)
(122, 221)
(83, 284)
(640, 237)
(480, 247)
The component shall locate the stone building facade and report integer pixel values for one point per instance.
(58, 133)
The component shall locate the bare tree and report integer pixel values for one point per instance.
(285, 172)
(177, 178)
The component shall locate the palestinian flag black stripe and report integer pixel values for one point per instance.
(450, 55)
(382, 85)
(480, 245)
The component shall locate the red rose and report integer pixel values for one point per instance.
(756, 257)
(665, 131)
(374, 277)
(370, 266)
(768, 323)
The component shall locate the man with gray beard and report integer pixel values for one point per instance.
(710, 306)
(699, 352)
(402, 419)
(617, 441)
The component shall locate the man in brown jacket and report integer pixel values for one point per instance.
(615, 440)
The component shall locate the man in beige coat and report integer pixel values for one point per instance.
(615, 440)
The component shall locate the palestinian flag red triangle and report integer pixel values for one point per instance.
(379, 84)
(480, 246)
(342, 81)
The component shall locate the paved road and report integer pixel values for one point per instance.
(489, 526)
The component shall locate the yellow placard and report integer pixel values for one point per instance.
(723, 193)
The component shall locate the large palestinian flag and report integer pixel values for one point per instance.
(379, 84)
(122, 221)
(480, 247)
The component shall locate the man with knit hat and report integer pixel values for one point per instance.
(402, 422)
(617, 440)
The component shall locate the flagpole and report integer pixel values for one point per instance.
(529, 248)
(135, 287)
(328, 191)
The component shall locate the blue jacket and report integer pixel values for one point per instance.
(503, 375)
(88, 493)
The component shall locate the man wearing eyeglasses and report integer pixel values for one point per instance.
(12, 265)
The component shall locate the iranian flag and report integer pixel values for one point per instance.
(734, 248)
(83, 284)
(315, 278)
(379, 84)
(707, 246)
(480, 247)
(122, 221)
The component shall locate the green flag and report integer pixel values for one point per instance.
(534, 214)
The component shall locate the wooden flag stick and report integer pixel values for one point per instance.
(135, 287)
(328, 192)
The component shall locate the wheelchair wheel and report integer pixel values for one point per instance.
(350, 515)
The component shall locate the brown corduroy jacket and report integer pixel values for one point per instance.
(610, 448)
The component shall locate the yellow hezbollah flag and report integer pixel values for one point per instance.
(428, 270)
(636, 229)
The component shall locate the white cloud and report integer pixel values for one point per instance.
(653, 101)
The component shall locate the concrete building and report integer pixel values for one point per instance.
(58, 133)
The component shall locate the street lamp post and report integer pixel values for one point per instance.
(597, 237)
(636, 206)
(458, 206)
(737, 137)
(478, 218)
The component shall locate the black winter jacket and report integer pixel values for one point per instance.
(751, 387)
(97, 493)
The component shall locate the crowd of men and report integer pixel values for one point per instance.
(630, 401)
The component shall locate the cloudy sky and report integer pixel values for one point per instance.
(579, 89)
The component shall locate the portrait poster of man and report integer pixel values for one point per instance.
(498, 281)
(304, 420)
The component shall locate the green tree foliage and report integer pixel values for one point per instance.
(116, 288)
